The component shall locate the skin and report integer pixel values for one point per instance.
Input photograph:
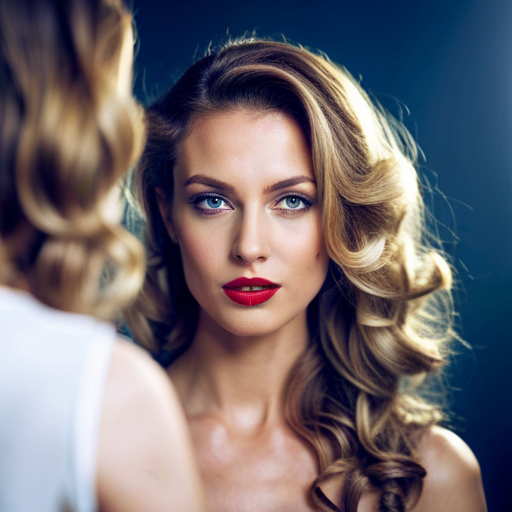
(145, 458)
(232, 379)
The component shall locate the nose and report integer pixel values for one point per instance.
(251, 242)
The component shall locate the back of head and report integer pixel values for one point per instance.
(69, 129)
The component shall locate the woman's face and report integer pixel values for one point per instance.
(245, 206)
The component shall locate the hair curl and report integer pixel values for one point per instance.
(383, 318)
(67, 135)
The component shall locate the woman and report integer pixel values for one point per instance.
(86, 419)
(291, 292)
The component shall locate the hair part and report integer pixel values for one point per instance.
(375, 329)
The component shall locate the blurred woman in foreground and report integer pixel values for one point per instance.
(86, 419)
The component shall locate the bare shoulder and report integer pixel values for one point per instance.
(134, 376)
(145, 458)
(453, 482)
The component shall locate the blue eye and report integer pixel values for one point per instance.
(213, 202)
(209, 204)
(293, 203)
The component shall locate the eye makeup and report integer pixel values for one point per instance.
(290, 208)
(212, 202)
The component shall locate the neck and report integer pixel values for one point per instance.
(241, 378)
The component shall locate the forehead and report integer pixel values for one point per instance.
(241, 145)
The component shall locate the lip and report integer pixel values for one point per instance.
(250, 298)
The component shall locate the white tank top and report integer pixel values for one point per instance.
(53, 367)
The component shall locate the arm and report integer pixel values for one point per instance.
(453, 482)
(145, 459)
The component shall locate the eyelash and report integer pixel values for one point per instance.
(199, 198)
(294, 211)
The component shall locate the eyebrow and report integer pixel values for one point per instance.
(210, 182)
(222, 185)
(290, 182)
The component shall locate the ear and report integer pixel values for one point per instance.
(165, 211)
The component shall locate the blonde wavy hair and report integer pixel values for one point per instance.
(383, 318)
(68, 133)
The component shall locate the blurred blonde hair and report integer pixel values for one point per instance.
(68, 133)
(383, 318)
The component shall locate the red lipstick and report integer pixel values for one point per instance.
(250, 292)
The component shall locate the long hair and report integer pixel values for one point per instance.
(67, 135)
(383, 318)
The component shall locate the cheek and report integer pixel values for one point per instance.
(199, 253)
(193, 252)
(304, 248)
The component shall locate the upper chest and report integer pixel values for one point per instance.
(272, 471)
(269, 471)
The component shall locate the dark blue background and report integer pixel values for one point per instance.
(450, 63)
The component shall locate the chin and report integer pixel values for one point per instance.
(245, 331)
(248, 327)
(254, 323)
